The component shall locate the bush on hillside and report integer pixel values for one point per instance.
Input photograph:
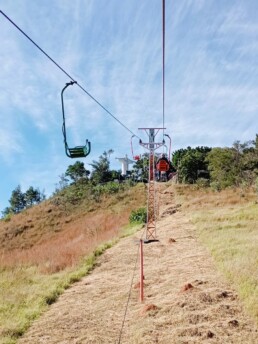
(256, 186)
(202, 183)
(138, 216)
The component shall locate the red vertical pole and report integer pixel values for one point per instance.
(151, 167)
(141, 272)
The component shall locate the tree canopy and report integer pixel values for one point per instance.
(100, 169)
(190, 163)
(234, 166)
(20, 201)
(77, 171)
(223, 167)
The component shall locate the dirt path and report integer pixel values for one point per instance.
(92, 310)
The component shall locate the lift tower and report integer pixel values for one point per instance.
(151, 210)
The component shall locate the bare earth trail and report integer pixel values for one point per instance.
(92, 310)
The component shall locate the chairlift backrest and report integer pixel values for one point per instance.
(162, 166)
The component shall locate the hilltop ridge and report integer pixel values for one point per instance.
(59, 221)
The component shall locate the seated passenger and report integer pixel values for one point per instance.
(163, 158)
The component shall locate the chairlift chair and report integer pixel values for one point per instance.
(78, 151)
(162, 166)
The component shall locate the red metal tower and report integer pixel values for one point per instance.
(151, 205)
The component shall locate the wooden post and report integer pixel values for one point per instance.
(141, 271)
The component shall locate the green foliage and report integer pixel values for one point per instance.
(236, 166)
(178, 155)
(25, 293)
(17, 200)
(100, 170)
(115, 174)
(77, 172)
(255, 142)
(215, 186)
(138, 216)
(79, 192)
(72, 194)
(33, 196)
(221, 167)
(109, 152)
(7, 214)
(106, 189)
(256, 186)
(190, 162)
(62, 184)
(202, 182)
(112, 187)
(141, 166)
(20, 201)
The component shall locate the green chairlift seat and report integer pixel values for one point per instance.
(78, 151)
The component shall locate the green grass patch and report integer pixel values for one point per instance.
(138, 216)
(130, 230)
(25, 293)
(231, 235)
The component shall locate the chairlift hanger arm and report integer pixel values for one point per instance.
(135, 157)
(169, 146)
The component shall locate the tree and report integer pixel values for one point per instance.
(77, 172)
(100, 172)
(234, 166)
(7, 211)
(178, 155)
(141, 167)
(17, 200)
(109, 152)
(246, 161)
(221, 164)
(20, 200)
(115, 174)
(190, 162)
(33, 196)
(62, 184)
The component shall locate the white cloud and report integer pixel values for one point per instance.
(10, 144)
(113, 49)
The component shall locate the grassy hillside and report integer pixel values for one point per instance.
(227, 223)
(46, 248)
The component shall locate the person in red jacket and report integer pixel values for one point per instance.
(163, 158)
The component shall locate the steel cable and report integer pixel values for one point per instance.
(129, 294)
(67, 74)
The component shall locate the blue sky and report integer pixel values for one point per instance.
(114, 49)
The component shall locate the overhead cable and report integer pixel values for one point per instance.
(163, 63)
(67, 74)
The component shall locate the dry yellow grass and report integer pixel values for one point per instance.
(92, 311)
(43, 253)
(46, 237)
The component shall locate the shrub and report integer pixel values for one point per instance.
(7, 217)
(202, 182)
(215, 186)
(112, 187)
(138, 216)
